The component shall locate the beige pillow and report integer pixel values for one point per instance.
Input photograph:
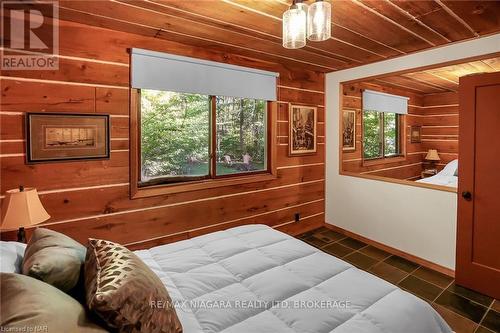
(27, 303)
(54, 258)
(125, 293)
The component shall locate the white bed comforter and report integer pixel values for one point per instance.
(256, 279)
(450, 181)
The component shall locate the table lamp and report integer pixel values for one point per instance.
(433, 157)
(22, 208)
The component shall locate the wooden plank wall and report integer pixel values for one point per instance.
(440, 126)
(411, 166)
(91, 199)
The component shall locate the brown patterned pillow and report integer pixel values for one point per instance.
(125, 293)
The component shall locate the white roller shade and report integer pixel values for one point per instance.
(162, 71)
(382, 102)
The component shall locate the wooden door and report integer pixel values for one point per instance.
(478, 234)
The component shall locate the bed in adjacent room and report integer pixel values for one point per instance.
(256, 279)
(446, 177)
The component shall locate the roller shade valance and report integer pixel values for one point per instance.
(382, 102)
(163, 71)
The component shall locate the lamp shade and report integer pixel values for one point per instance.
(22, 208)
(294, 27)
(319, 21)
(432, 155)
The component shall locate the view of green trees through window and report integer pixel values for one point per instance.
(176, 135)
(390, 134)
(241, 135)
(380, 134)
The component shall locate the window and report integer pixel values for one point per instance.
(185, 132)
(240, 139)
(187, 137)
(175, 135)
(381, 134)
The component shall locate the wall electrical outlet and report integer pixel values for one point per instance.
(297, 217)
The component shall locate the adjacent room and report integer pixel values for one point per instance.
(250, 166)
(405, 126)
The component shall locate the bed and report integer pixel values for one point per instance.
(256, 279)
(446, 177)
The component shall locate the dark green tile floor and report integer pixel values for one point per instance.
(465, 310)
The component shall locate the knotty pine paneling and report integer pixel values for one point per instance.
(151, 222)
(440, 126)
(365, 31)
(91, 198)
(113, 199)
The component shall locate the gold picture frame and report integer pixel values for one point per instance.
(348, 130)
(302, 132)
(415, 134)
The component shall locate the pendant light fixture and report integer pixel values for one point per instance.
(295, 26)
(301, 21)
(319, 21)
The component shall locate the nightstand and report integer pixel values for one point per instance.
(428, 173)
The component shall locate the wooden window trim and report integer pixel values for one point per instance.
(384, 160)
(207, 183)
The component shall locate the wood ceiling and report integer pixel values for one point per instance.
(438, 80)
(363, 31)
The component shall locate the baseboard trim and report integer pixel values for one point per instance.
(422, 262)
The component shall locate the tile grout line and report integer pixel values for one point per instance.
(442, 291)
(410, 273)
(378, 261)
(484, 316)
(432, 283)
(459, 314)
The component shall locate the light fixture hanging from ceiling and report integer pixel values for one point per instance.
(295, 26)
(301, 21)
(319, 21)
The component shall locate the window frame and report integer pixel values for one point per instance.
(400, 147)
(139, 189)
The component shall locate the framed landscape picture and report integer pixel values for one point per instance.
(64, 137)
(415, 134)
(302, 130)
(348, 130)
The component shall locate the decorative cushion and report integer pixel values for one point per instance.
(54, 258)
(12, 254)
(125, 293)
(29, 303)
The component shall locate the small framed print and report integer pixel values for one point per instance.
(302, 130)
(348, 130)
(415, 134)
(66, 137)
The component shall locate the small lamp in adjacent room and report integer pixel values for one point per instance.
(433, 157)
(22, 208)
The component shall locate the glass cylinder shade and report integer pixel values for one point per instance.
(302, 6)
(319, 21)
(294, 28)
